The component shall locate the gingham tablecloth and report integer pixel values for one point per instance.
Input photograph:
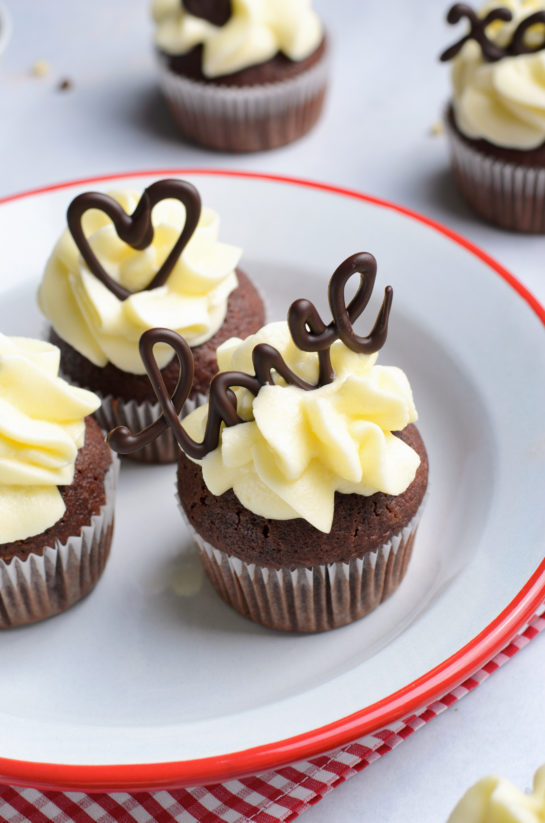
(280, 795)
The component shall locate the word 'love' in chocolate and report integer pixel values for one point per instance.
(309, 333)
(478, 25)
(135, 229)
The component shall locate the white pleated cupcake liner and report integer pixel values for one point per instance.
(45, 585)
(245, 118)
(136, 416)
(507, 194)
(309, 599)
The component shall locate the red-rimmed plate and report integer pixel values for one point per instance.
(152, 681)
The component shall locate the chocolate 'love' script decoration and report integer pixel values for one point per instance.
(308, 332)
(135, 229)
(216, 12)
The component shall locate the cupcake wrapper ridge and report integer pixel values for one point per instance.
(246, 118)
(507, 194)
(309, 599)
(45, 585)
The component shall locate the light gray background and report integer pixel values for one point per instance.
(387, 91)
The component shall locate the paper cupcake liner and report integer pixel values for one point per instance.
(44, 585)
(309, 599)
(136, 416)
(245, 118)
(507, 194)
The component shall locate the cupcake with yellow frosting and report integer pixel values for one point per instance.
(496, 120)
(241, 75)
(57, 484)
(303, 478)
(131, 261)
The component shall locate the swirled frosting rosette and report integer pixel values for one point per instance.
(300, 447)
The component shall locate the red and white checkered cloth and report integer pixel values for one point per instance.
(271, 797)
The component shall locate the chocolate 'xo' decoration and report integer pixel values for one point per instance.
(492, 52)
(216, 12)
(135, 229)
(309, 333)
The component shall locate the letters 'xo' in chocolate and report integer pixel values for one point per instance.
(309, 333)
(478, 25)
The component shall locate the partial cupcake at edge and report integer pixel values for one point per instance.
(57, 486)
(130, 261)
(241, 75)
(303, 479)
(496, 118)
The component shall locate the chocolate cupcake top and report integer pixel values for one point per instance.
(236, 34)
(498, 73)
(307, 411)
(132, 261)
(42, 426)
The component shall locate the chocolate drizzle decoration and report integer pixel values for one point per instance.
(135, 229)
(491, 51)
(309, 333)
(216, 12)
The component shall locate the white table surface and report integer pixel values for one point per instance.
(387, 91)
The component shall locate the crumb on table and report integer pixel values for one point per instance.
(40, 68)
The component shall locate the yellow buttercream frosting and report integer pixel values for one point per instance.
(255, 32)
(503, 101)
(104, 328)
(496, 800)
(42, 426)
(296, 448)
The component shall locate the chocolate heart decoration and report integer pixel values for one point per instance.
(135, 229)
(216, 12)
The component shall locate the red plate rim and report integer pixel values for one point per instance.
(416, 695)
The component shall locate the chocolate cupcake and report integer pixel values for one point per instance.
(130, 262)
(303, 479)
(57, 486)
(496, 120)
(241, 76)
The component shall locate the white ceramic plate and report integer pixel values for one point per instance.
(153, 680)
